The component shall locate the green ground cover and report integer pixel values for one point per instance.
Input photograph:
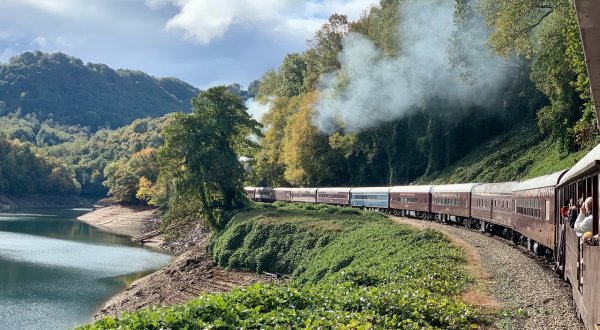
(349, 269)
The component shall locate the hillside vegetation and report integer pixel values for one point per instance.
(521, 153)
(350, 269)
(63, 88)
(343, 112)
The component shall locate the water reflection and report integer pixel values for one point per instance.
(55, 271)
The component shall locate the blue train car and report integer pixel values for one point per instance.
(371, 198)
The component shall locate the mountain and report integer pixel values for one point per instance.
(63, 88)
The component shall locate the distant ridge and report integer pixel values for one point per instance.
(65, 89)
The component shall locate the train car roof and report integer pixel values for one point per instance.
(460, 187)
(498, 187)
(412, 189)
(283, 189)
(588, 163)
(371, 190)
(310, 190)
(549, 180)
(264, 188)
(249, 188)
(327, 190)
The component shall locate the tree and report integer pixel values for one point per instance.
(291, 74)
(546, 33)
(201, 154)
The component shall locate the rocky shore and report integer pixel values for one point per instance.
(191, 272)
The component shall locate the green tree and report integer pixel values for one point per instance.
(201, 155)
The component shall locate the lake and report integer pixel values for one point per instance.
(56, 271)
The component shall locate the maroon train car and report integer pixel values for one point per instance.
(578, 262)
(283, 194)
(452, 201)
(306, 195)
(533, 210)
(334, 196)
(492, 203)
(264, 194)
(250, 192)
(407, 199)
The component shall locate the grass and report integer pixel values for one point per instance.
(349, 269)
(522, 153)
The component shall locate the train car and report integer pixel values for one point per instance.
(577, 262)
(492, 203)
(452, 202)
(370, 198)
(410, 200)
(306, 195)
(283, 194)
(250, 192)
(334, 196)
(533, 212)
(264, 194)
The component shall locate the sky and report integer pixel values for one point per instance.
(203, 42)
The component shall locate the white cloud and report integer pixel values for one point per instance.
(205, 20)
(39, 42)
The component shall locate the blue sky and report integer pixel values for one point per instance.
(204, 42)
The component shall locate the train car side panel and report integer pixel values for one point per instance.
(411, 198)
(374, 197)
(334, 196)
(283, 194)
(533, 215)
(306, 195)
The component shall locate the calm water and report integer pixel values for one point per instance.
(56, 271)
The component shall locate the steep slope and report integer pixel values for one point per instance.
(65, 89)
(520, 153)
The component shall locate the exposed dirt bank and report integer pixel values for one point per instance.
(124, 220)
(13, 203)
(191, 272)
(511, 279)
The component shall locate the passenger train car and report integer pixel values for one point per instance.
(527, 212)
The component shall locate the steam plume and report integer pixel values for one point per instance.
(375, 88)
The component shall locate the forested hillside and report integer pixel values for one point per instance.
(63, 88)
(392, 97)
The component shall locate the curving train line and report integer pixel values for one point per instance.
(527, 212)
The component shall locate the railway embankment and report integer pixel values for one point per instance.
(345, 266)
(529, 295)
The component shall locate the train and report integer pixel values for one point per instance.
(526, 212)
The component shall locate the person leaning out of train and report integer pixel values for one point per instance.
(564, 212)
(584, 222)
(572, 213)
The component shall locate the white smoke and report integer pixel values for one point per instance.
(372, 88)
(256, 109)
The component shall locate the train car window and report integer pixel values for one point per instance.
(547, 210)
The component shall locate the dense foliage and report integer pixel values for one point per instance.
(364, 272)
(23, 171)
(200, 171)
(63, 88)
(546, 89)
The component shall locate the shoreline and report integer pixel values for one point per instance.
(129, 221)
(191, 271)
(9, 203)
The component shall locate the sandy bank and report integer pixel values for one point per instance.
(129, 221)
